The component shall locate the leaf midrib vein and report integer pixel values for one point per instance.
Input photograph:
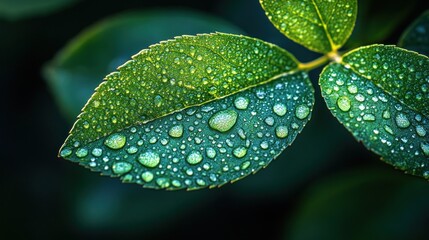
(334, 47)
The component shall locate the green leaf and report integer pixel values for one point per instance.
(321, 26)
(80, 67)
(416, 37)
(193, 112)
(380, 93)
(18, 9)
(376, 204)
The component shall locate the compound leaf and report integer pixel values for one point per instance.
(416, 37)
(380, 93)
(193, 112)
(321, 26)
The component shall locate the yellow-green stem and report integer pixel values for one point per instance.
(314, 64)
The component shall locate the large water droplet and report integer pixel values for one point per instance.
(388, 129)
(194, 158)
(65, 152)
(149, 159)
(121, 167)
(163, 182)
(269, 121)
(402, 120)
(200, 182)
(176, 131)
(245, 165)
(344, 103)
(386, 114)
(420, 131)
(241, 103)
(211, 153)
(425, 148)
(224, 120)
(280, 109)
(240, 152)
(132, 150)
(96, 152)
(176, 183)
(352, 89)
(369, 117)
(147, 176)
(115, 141)
(302, 111)
(282, 131)
(82, 152)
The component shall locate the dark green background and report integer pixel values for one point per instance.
(325, 186)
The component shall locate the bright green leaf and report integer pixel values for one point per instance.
(193, 112)
(416, 37)
(321, 26)
(80, 67)
(380, 93)
(17, 9)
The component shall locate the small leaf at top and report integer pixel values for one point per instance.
(380, 93)
(416, 37)
(193, 112)
(320, 25)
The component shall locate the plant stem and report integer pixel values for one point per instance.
(314, 64)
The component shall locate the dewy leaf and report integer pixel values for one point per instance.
(380, 93)
(320, 25)
(81, 65)
(416, 37)
(193, 112)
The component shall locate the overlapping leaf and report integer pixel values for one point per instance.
(321, 26)
(416, 37)
(380, 93)
(193, 112)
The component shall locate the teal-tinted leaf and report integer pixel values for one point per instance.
(380, 93)
(16, 9)
(416, 37)
(80, 67)
(193, 112)
(321, 26)
(363, 204)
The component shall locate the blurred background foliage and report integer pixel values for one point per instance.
(54, 53)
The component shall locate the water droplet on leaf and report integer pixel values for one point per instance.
(302, 111)
(241, 103)
(176, 131)
(224, 120)
(279, 109)
(149, 159)
(115, 141)
(121, 167)
(194, 158)
(344, 103)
